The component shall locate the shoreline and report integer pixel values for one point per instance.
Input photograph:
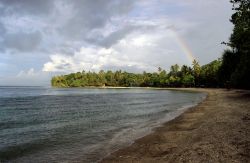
(215, 130)
(120, 87)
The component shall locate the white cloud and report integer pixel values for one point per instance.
(141, 50)
(93, 59)
(28, 78)
(142, 41)
(30, 72)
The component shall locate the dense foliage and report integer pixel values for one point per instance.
(177, 77)
(235, 69)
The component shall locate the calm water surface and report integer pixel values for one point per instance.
(40, 124)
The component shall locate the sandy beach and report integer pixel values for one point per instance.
(216, 130)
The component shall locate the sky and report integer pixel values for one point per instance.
(42, 38)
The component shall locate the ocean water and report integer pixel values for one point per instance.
(39, 124)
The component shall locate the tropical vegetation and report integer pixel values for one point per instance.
(185, 76)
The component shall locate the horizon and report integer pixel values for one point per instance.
(42, 39)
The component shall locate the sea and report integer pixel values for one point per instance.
(43, 124)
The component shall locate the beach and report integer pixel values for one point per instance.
(216, 130)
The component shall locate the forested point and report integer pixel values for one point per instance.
(184, 76)
(232, 70)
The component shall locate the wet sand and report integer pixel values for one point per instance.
(216, 130)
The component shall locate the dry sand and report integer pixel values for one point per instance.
(217, 130)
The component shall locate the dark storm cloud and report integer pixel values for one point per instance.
(91, 15)
(23, 42)
(2, 30)
(83, 17)
(112, 38)
(119, 34)
(34, 7)
(116, 36)
(2, 33)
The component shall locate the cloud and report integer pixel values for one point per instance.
(23, 42)
(2, 29)
(69, 36)
(59, 22)
(39, 7)
(91, 59)
(113, 37)
(90, 15)
(27, 78)
(136, 51)
(30, 72)
(2, 33)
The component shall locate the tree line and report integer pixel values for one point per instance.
(235, 68)
(184, 76)
(232, 70)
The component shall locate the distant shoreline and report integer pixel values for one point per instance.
(194, 89)
(216, 130)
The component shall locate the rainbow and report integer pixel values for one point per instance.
(183, 45)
